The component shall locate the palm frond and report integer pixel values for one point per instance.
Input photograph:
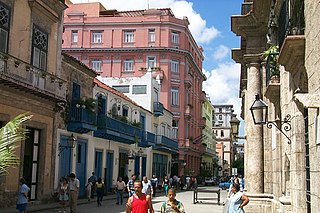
(10, 134)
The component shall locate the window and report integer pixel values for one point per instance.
(222, 133)
(40, 48)
(96, 65)
(163, 130)
(75, 91)
(4, 28)
(97, 37)
(175, 66)
(220, 110)
(152, 35)
(128, 36)
(74, 36)
(151, 61)
(220, 117)
(174, 97)
(128, 65)
(123, 89)
(125, 111)
(139, 89)
(175, 38)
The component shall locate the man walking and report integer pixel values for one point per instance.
(139, 202)
(130, 185)
(154, 182)
(93, 180)
(74, 185)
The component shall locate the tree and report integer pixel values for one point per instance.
(10, 134)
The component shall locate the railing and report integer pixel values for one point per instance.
(157, 109)
(163, 140)
(210, 151)
(25, 75)
(106, 122)
(246, 7)
(82, 115)
(188, 80)
(291, 19)
(148, 139)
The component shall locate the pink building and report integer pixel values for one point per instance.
(126, 43)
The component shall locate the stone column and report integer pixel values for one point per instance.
(254, 143)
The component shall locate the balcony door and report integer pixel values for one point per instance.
(109, 171)
(98, 163)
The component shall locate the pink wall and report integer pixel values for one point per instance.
(112, 51)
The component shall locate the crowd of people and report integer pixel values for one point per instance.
(140, 193)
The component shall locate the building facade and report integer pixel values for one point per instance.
(221, 128)
(124, 44)
(279, 55)
(30, 81)
(209, 163)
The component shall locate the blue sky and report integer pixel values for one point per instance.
(211, 28)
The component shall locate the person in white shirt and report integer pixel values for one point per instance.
(146, 186)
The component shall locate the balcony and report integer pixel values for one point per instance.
(188, 81)
(203, 97)
(22, 76)
(202, 124)
(148, 139)
(113, 129)
(81, 120)
(166, 144)
(188, 111)
(210, 152)
(157, 109)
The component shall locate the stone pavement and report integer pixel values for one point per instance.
(108, 204)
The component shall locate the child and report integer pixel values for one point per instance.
(63, 194)
(172, 205)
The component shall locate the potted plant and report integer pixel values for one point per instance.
(271, 58)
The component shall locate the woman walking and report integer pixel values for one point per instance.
(166, 185)
(99, 191)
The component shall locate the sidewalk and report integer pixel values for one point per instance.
(36, 206)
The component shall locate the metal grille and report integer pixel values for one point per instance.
(307, 157)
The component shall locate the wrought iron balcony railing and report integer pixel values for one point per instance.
(291, 19)
(157, 109)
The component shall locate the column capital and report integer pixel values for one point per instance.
(253, 59)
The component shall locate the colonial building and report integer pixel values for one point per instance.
(279, 56)
(125, 44)
(209, 163)
(221, 127)
(30, 81)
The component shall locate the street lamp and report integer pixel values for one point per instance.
(259, 112)
(71, 143)
(234, 123)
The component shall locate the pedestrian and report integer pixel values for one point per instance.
(93, 179)
(88, 190)
(172, 205)
(237, 181)
(166, 185)
(237, 200)
(130, 185)
(146, 186)
(74, 185)
(182, 182)
(99, 190)
(154, 183)
(139, 202)
(22, 196)
(120, 187)
(63, 194)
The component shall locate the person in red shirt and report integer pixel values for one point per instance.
(139, 202)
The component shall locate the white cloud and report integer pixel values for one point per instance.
(221, 52)
(201, 32)
(222, 85)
